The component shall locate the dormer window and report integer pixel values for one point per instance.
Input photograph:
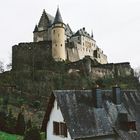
(126, 124)
(131, 125)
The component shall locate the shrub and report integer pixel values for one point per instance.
(32, 134)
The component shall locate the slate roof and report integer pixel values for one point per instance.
(84, 120)
(83, 32)
(68, 30)
(36, 29)
(51, 18)
(58, 18)
(43, 20)
(47, 18)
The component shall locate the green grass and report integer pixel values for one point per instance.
(7, 136)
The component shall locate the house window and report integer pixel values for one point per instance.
(60, 128)
(132, 126)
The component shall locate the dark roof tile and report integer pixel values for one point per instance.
(58, 18)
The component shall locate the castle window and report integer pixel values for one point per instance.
(53, 31)
(78, 38)
(58, 35)
(61, 45)
(83, 44)
(56, 45)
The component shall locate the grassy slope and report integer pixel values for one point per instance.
(6, 136)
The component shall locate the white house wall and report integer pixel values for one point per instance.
(55, 115)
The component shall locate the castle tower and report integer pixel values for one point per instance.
(58, 38)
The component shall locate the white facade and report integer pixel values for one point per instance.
(86, 47)
(55, 115)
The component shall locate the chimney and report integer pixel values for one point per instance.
(122, 120)
(116, 95)
(97, 96)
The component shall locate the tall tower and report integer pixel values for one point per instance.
(58, 38)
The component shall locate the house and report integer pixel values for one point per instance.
(90, 115)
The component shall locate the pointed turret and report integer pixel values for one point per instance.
(58, 18)
(36, 29)
(92, 34)
(58, 38)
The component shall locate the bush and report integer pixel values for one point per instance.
(20, 126)
(36, 104)
(32, 134)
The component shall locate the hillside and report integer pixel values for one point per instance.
(32, 88)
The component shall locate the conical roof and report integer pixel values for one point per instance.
(36, 29)
(58, 18)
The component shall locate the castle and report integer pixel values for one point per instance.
(66, 43)
(53, 39)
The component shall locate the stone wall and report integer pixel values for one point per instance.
(111, 70)
(95, 70)
(26, 56)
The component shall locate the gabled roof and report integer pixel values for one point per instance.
(83, 32)
(58, 18)
(68, 30)
(45, 20)
(84, 120)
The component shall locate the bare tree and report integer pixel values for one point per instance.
(9, 66)
(1, 67)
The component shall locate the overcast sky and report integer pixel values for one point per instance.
(115, 24)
